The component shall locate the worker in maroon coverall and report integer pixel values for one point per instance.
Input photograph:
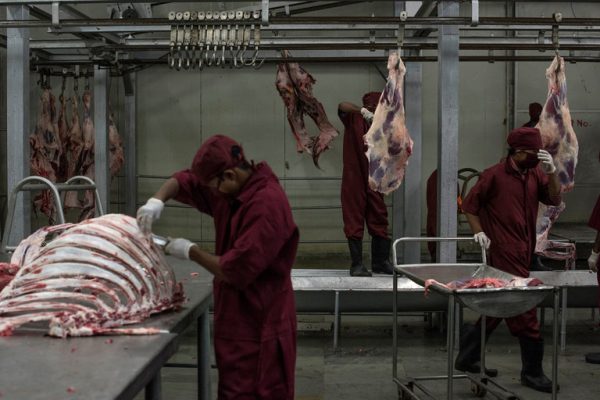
(593, 262)
(360, 204)
(256, 242)
(502, 209)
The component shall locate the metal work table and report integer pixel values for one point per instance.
(92, 368)
(135, 360)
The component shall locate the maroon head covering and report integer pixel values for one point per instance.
(216, 154)
(370, 100)
(525, 139)
(535, 110)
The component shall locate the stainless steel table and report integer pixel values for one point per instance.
(29, 356)
(33, 366)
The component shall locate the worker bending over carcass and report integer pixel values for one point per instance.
(502, 209)
(256, 243)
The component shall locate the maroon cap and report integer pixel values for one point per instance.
(525, 139)
(370, 100)
(216, 154)
(535, 110)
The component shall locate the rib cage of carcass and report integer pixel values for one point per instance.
(88, 279)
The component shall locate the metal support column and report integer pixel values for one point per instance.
(203, 343)
(448, 86)
(130, 145)
(511, 75)
(17, 122)
(412, 178)
(101, 147)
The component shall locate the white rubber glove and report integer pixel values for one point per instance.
(482, 239)
(179, 248)
(593, 261)
(546, 161)
(148, 213)
(367, 115)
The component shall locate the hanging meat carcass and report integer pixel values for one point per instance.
(388, 141)
(87, 155)
(88, 279)
(116, 156)
(558, 138)
(295, 87)
(74, 148)
(45, 148)
(63, 132)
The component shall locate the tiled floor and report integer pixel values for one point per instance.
(361, 368)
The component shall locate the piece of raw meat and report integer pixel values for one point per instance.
(388, 141)
(295, 87)
(74, 148)
(88, 279)
(87, 156)
(558, 138)
(284, 85)
(45, 149)
(63, 132)
(303, 82)
(117, 156)
(7, 273)
(483, 283)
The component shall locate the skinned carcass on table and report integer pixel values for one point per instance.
(88, 279)
(483, 283)
(295, 87)
(388, 141)
(559, 139)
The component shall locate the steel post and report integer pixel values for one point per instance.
(130, 148)
(101, 146)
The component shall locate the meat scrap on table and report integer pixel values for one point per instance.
(483, 283)
(388, 141)
(559, 139)
(89, 279)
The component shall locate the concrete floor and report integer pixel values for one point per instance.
(361, 368)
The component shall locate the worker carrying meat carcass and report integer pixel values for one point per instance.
(593, 263)
(360, 204)
(501, 209)
(256, 243)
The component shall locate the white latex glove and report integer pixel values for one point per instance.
(367, 115)
(546, 161)
(593, 261)
(148, 213)
(482, 239)
(179, 248)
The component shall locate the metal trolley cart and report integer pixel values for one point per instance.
(493, 302)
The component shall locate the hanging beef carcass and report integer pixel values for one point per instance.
(87, 155)
(294, 109)
(296, 91)
(74, 148)
(45, 148)
(116, 155)
(558, 138)
(63, 132)
(388, 141)
(88, 279)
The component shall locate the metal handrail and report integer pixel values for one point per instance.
(41, 183)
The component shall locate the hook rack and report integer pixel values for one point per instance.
(199, 39)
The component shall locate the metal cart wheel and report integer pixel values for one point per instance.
(478, 390)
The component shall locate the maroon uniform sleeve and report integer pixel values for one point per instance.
(261, 236)
(478, 195)
(192, 193)
(347, 118)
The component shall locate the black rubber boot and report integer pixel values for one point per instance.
(469, 352)
(537, 264)
(357, 268)
(532, 374)
(380, 256)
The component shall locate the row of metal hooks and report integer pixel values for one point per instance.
(205, 39)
